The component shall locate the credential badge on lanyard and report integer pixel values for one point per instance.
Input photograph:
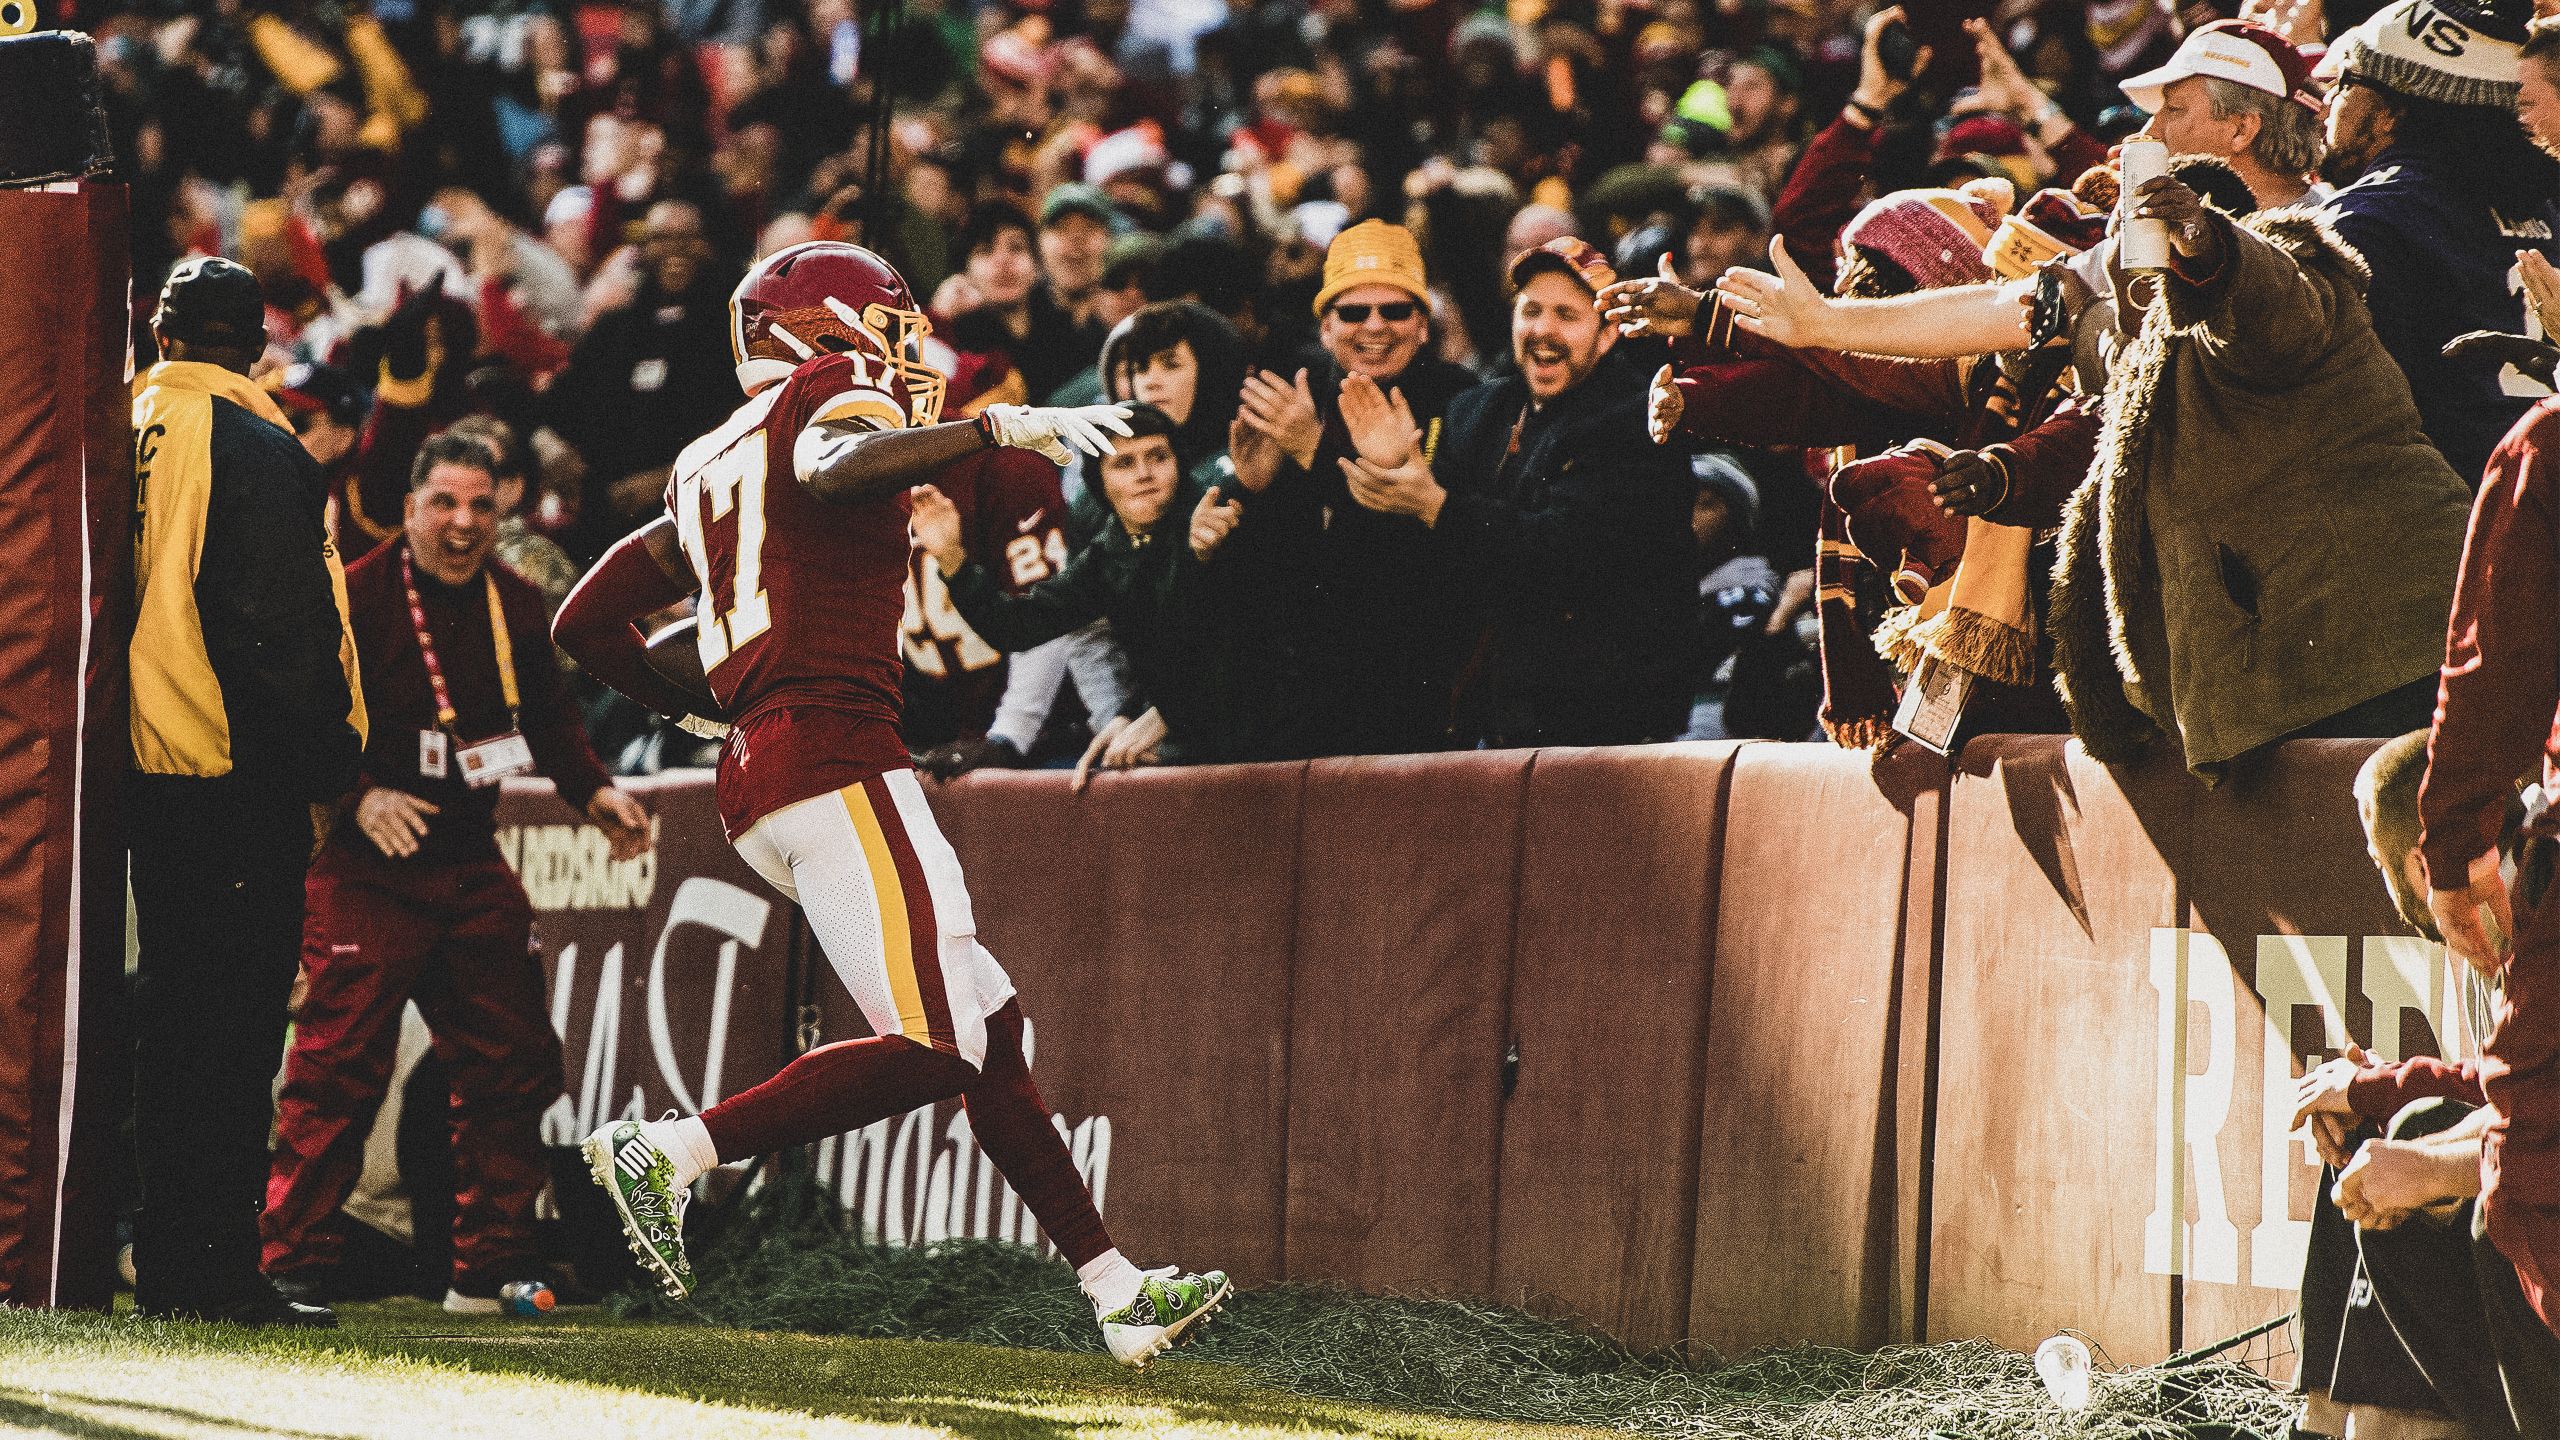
(484, 762)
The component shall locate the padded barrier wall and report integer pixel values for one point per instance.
(1734, 1045)
(66, 502)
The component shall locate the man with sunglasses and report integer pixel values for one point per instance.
(1559, 534)
(1353, 603)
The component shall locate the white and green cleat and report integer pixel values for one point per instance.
(641, 1180)
(1168, 1306)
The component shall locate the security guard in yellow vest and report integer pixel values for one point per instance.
(246, 713)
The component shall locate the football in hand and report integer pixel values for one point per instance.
(674, 654)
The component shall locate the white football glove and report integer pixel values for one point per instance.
(704, 726)
(1056, 431)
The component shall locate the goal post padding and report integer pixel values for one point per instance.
(66, 554)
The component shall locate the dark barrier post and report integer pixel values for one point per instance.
(66, 498)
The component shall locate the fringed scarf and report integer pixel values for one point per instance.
(1857, 689)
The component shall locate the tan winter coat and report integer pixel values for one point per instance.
(2266, 538)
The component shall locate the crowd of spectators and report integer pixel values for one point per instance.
(1435, 322)
(533, 213)
(1400, 280)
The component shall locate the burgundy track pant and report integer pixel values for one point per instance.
(456, 937)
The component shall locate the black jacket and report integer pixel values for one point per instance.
(647, 380)
(1167, 615)
(269, 614)
(2441, 256)
(1352, 605)
(1575, 554)
(1050, 353)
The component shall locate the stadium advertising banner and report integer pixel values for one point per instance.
(1988, 1051)
(2134, 970)
(667, 972)
(675, 982)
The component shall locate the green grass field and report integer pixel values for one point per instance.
(800, 1329)
(405, 1368)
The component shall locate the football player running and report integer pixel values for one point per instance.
(788, 527)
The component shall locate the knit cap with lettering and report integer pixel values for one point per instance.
(2458, 52)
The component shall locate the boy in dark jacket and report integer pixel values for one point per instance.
(1143, 573)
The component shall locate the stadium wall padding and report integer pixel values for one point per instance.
(2316, 952)
(2046, 1030)
(1595, 1212)
(66, 501)
(1196, 1031)
(1409, 881)
(1730, 1045)
(1801, 1033)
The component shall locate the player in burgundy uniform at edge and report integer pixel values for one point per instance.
(799, 592)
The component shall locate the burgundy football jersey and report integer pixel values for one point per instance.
(1012, 514)
(798, 615)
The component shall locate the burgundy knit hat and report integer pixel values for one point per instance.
(1934, 235)
(1981, 135)
(2060, 214)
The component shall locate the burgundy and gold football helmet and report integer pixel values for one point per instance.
(827, 297)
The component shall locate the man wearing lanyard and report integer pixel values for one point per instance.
(411, 901)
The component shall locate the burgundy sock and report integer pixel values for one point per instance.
(833, 1089)
(1012, 1125)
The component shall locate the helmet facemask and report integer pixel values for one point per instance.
(885, 336)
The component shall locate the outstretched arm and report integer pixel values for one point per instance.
(1065, 602)
(1830, 181)
(849, 461)
(2493, 706)
(1929, 325)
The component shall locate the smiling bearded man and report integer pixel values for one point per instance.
(1559, 529)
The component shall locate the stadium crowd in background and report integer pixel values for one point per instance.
(533, 213)
(1437, 319)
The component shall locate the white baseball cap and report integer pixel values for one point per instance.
(2234, 50)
